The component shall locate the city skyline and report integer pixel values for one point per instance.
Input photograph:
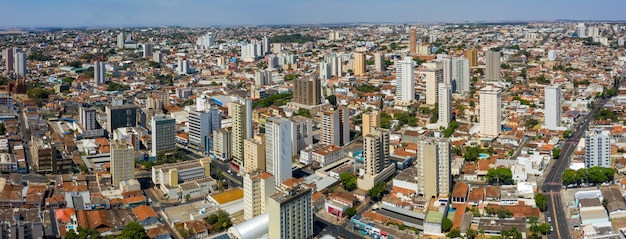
(193, 13)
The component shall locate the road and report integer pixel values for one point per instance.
(322, 227)
(553, 183)
(25, 137)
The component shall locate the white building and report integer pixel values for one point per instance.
(490, 112)
(552, 110)
(122, 161)
(257, 187)
(405, 81)
(201, 126)
(278, 148)
(99, 72)
(20, 64)
(445, 105)
(206, 41)
(461, 74)
(552, 55)
(598, 148)
(432, 79)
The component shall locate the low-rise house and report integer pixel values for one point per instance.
(146, 215)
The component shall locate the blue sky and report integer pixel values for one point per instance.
(76, 13)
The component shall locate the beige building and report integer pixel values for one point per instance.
(257, 187)
(432, 79)
(291, 214)
(336, 127)
(122, 161)
(413, 40)
(376, 155)
(492, 66)
(360, 65)
(490, 112)
(222, 143)
(168, 177)
(307, 91)
(254, 154)
(327, 155)
(423, 49)
(379, 62)
(303, 132)
(433, 167)
(369, 120)
(241, 114)
(472, 55)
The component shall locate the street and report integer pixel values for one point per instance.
(25, 137)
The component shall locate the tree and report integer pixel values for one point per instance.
(332, 99)
(512, 233)
(569, 177)
(37, 93)
(472, 153)
(187, 197)
(303, 112)
(471, 233)
(541, 201)
(348, 180)
(556, 153)
(2, 129)
(75, 64)
(503, 213)
(446, 225)
(114, 87)
(500, 176)
(212, 219)
(455, 233)
(154, 64)
(134, 230)
(377, 191)
(350, 212)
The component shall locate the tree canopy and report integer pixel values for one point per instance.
(332, 99)
(378, 191)
(500, 176)
(541, 201)
(134, 230)
(593, 175)
(446, 225)
(348, 180)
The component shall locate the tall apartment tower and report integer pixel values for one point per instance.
(88, 118)
(99, 72)
(432, 79)
(221, 145)
(598, 148)
(552, 110)
(336, 127)
(325, 71)
(291, 214)
(266, 45)
(433, 167)
(490, 111)
(376, 151)
(412, 40)
(121, 39)
(201, 126)
(262, 77)
(258, 186)
(302, 133)
(122, 161)
(461, 74)
(445, 63)
(20, 64)
(278, 148)
(163, 134)
(379, 62)
(369, 120)
(359, 64)
(492, 66)
(405, 81)
(445, 105)
(472, 55)
(254, 154)
(307, 91)
(147, 50)
(336, 65)
(7, 54)
(241, 114)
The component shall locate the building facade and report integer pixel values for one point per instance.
(163, 134)
(552, 110)
(122, 161)
(490, 112)
(278, 148)
(597, 148)
(405, 80)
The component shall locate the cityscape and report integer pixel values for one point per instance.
(462, 128)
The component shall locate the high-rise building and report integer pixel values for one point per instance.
(433, 167)
(157, 57)
(262, 77)
(183, 66)
(221, 145)
(20, 64)
(598, 148)
(552, 54)
(258, 186)
(412, 40)
(472, 55)
(201, 126)
(552, 110)
(278, 148)
(147, 50)
(291, 214)
(336, 65)
(7, 54)
(121, 40)
(303, 133)
(266, 45)
(405, 81)
(99, 72)
(445, 105)
(254, 154)
(360, 65)
(336, 127)
(581, 29)
(490, 112)
(445, 63)
(122, 161)
(325, 71)
(379, 62)
(492, 65)
(121, 116)
(206, 41)
(307, 91)
(369, 120)
(241, 114)
(461, 74)
(432, 79)
(163, 134)
(376, 151)
(88, 118)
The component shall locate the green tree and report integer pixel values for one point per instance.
(75, 64)
(348, 180)
(303, 112)
(332, 99)
(454, 233)
(541, 201)
(212, 219)
(134, 230)
(350, 212)
(503, 213)
(471, 233)
(512, 233)
(37, 93)
(472, 153)
(68, 79)
(154, 64)
(556, 153)
(446, 225)
(377, 191)
(500, 176)
(114, 87)
(569, 177)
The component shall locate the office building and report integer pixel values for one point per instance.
(552, 110)
(241, 114)
(433, 167)
(99, 73)
(163, 134)
(336, 65)
(20, 64)
(412, 40)
(445, 105)
(490, 112)
(262, 77)
(121, 40)
(147, 50)
(492, 66)
(303, 132)
(121, 116)
(461, 74)
(598, 148)
(88, 118)
(278, 148)
(359, 64)
(258, 186)
(8, 55)
(405, 81)
(169, 176)
(291, 214)
(221, 145)
(201, 126)
(336, 127)
(122, 161)
(307, 91)
(432, 79)
(206, 41)
(379, 62)
(472, 56)
(369, 120)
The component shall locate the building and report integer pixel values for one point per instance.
(376, 156)
(445, 63)
(379, 62)
(258, 186)
(461, 74)
(20, 64)
(121, 40)
(254, 154)
(8, 57)
(325, 71)
(307, 91)
(336, 65)
(278, 148)
(89, 123)
(99, 73)
(183, 66)
(241, 114)
(472, 55)
(163, 134)
(369, 120)
(266, 45)
(598, 148)
(433, 167)
(405, 81)
(122, 161)
(490, 112)
(147, 50)
(360, 65)
(206, 41)
(262, 77)
(121, 116)
(291, 214)
(412, 40)
(167, 177)
(201, 127)
(327, 155)
(552, 110)
(432, 79)
(303, 132)
(492, 66)
(221, 145)
(445, 105)
(336, 127)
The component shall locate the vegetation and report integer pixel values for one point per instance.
(367, 88)
(450, 130)
(541, 201)
(2, 129)
(541, 80)
(471, 233)
(500, 176)
(348, 180)
(511, 233)
(378, 191)
(297, 38)
(82, 233)
(163, 158)
(567, 133)
(75, 64)
(303, 112)
(278, 100)
(117, 87)
(403, 118)
(288, 77)
(454, 233)
(446, 225)
(154, 64)
(37, 93)
(350, 212)
(473, 153)
(219, 221)
(332, 99)
(134, 230)
(556, 153)
(605, 114)
(385, 120)
(38, 56)
(593, 175)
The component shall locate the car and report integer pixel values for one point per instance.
(549, 219)
(229, 171)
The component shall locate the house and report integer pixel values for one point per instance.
(459, 193)
(145, 215)
(199, 228)
(95, 219)
(160, 232)
(133, 202)
(616, 206)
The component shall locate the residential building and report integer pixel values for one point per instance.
(325, 71)
(598, 148)
(99, 73)
(379, 62)
(359, 64)
(307, 91)
(445, 105)
(291, 214)
(472, 55)
(405, 81)
(461, 74)
(376, 156)
(20, 64)
(258, 186)
(163, 134)
(221, 145)
(241, 114)
(8, 57)
(490, 112)
(262, 77)
(432, 79)
(121, 40)
(303, 132)
(254, 154)
(336, 65)
(433, 167)
(327, 155)
(122, 161)
(492, 66)
(369, 120)
(412, 40)
(552, 110)
(336, 127)
(201, 127)
(278, 148)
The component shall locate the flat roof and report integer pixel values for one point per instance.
(228, 196)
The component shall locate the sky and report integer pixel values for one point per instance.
(200, 13)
